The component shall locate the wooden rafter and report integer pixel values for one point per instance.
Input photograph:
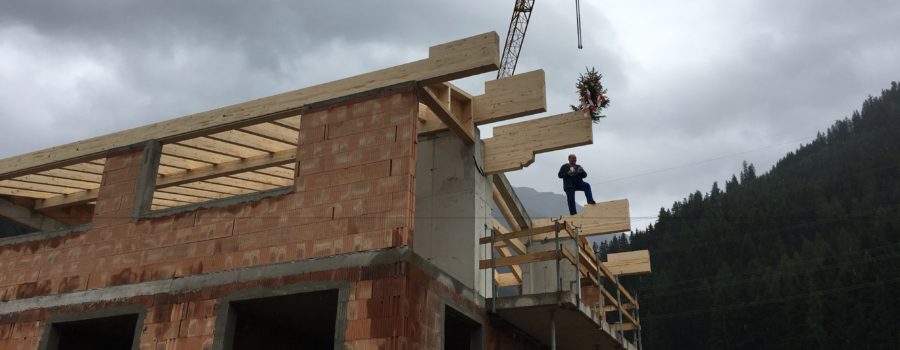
(229, 168)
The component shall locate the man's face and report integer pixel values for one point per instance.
(572, 159)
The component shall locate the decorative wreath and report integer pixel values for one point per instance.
(592, 95)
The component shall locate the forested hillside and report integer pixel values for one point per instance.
(806, 256)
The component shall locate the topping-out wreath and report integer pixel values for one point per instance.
(592, 95)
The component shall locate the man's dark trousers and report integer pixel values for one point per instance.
(570, 195)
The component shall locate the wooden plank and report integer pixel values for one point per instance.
(230, 191)
(71, 199)
(506, 280)
(25, 193)
(449, 61)
(224, 169)
(177, 197)
(225, 148)
(196, 154)
(249, 185)
(273, 132)
(89, 168)
(263, 178)
(610, 308)
(38, 187)
(165, 203)
(599, 219)
(55, 181)
(208, 195)
(291, 122)
(462, 127)
(503, 242)
(516, 270)
(73, 175)
(623, 327)
(260, 143)
(181, 163)
(521, 234)
(167, 170)
(28, 217)
(629, 263)
(513, 146)
(278, 171)
(518, 259)
(511, 97)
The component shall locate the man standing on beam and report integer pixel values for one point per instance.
(573, 175)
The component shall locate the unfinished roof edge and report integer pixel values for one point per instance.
(453, 60)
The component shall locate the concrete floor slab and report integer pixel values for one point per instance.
(575, 328)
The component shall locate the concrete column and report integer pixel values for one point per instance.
(452, 206)
(540, 277)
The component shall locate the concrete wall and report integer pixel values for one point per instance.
(452, 207)
(541, 277)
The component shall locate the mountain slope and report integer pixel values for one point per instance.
(804, 256)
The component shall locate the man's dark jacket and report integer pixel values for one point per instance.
(571, 182)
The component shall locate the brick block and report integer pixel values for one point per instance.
(314, 119)
(197, 327)
(358, 329)
(322, 247)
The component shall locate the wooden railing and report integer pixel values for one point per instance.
(599, 288)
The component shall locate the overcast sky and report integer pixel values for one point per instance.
(697, 87)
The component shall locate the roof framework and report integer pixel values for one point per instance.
(251, 146)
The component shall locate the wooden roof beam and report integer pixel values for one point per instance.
(513, 146)
(503, 99)
(506, 195)
(438, 98)
(445, 62)
(66, 200)
(629, 263)
(597, 219)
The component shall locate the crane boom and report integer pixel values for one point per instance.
(515, 36)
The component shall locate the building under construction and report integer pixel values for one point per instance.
(354, 214)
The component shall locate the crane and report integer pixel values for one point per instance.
(515, 35)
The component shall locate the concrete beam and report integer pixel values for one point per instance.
(27, 217)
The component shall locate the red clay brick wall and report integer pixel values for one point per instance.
(394, 306)
(188, 320)
(354, 192)
(425, 328)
